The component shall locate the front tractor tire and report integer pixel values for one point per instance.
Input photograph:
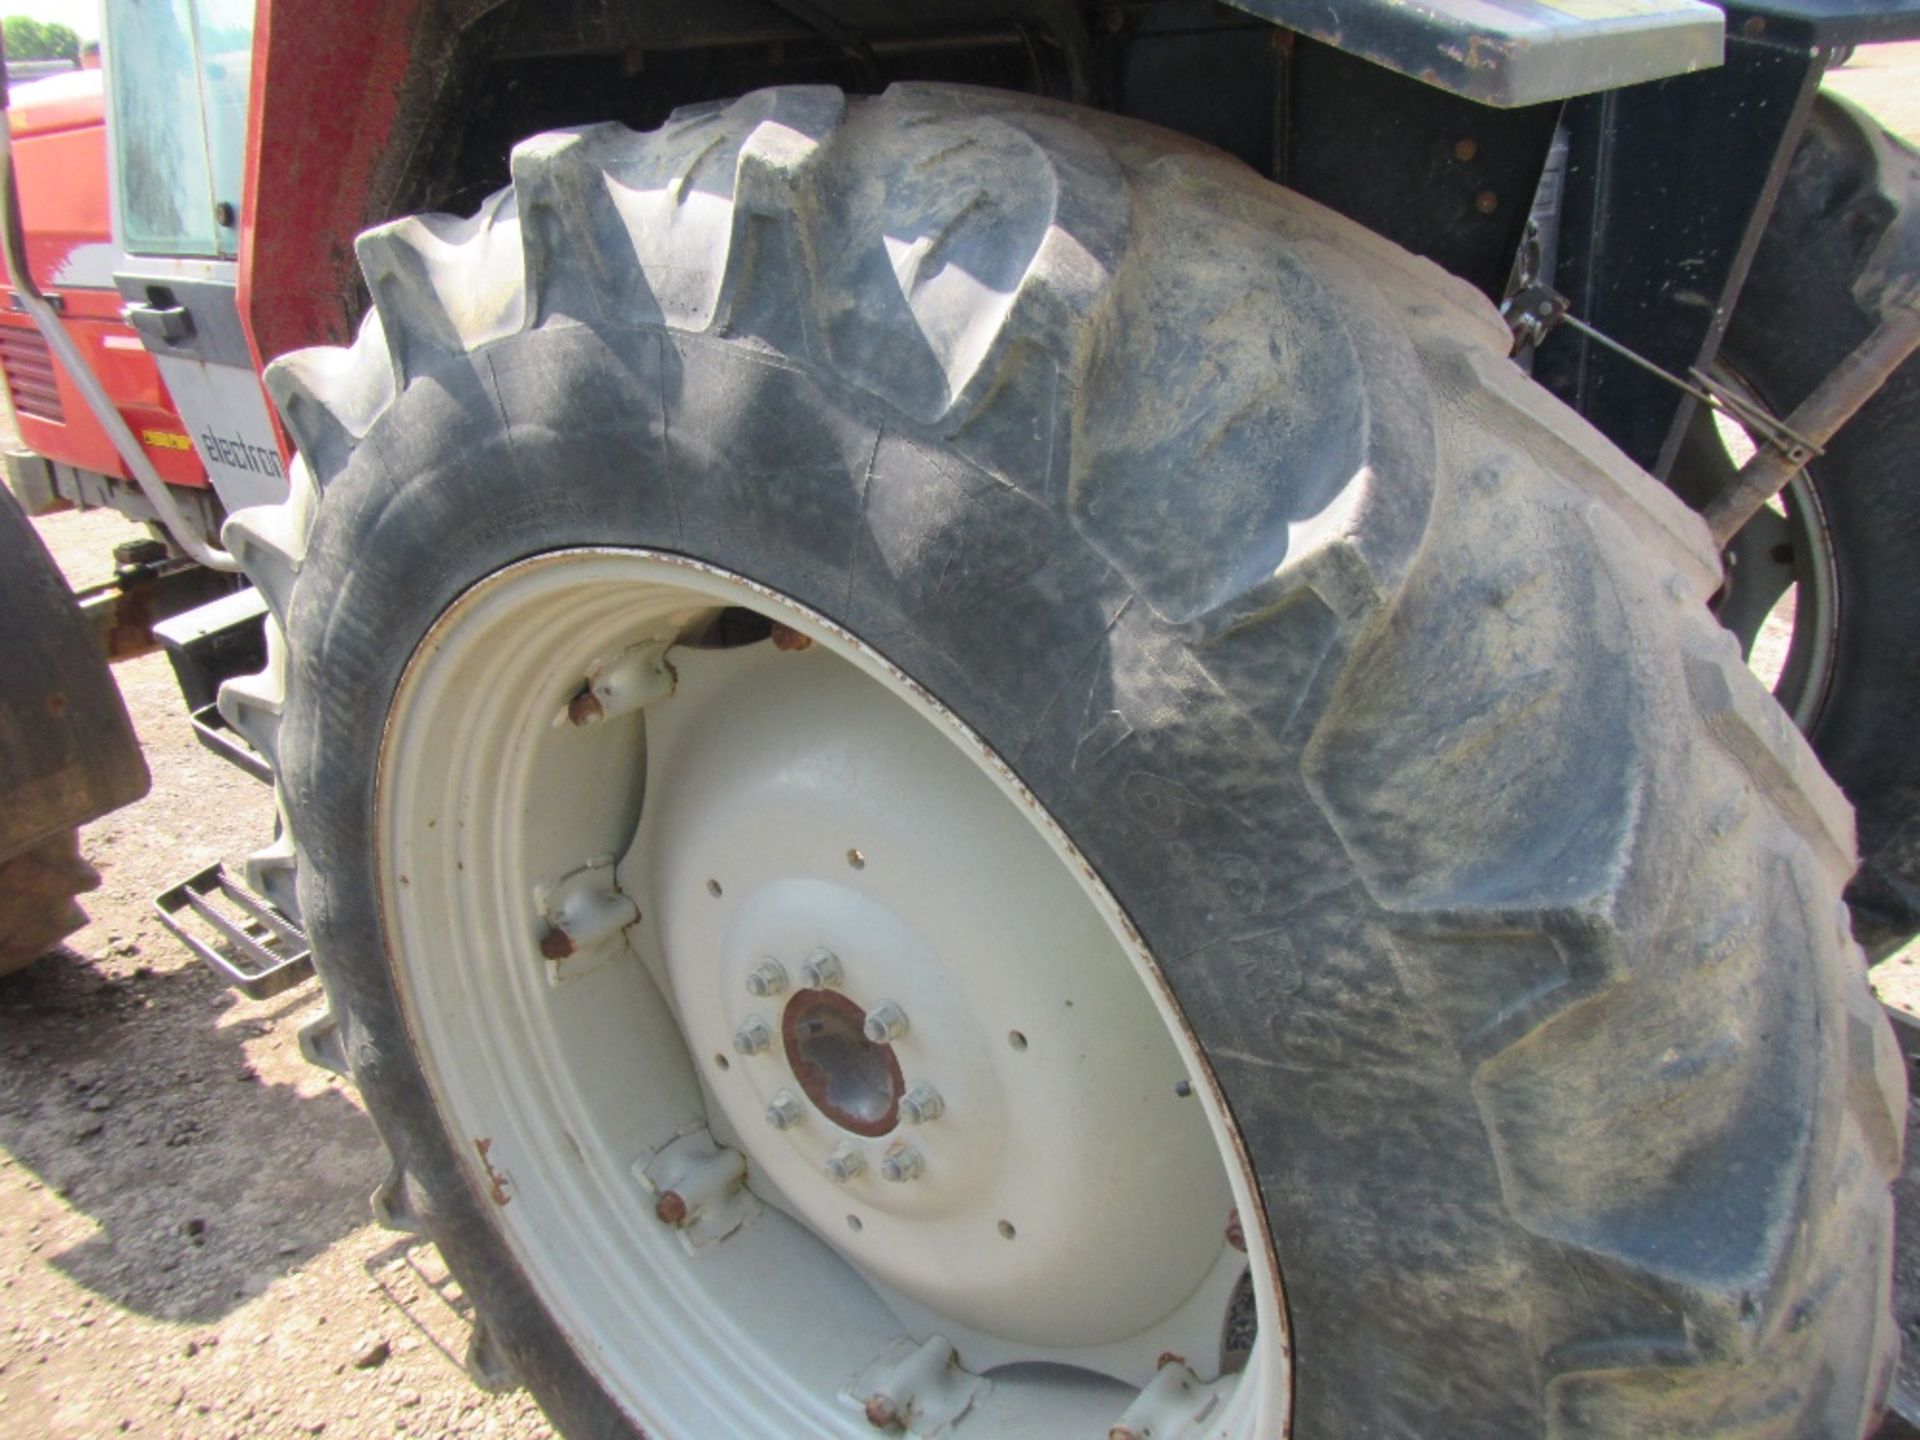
(38, 908)
(1265, 767)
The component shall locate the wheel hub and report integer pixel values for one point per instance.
(1062, 1134)
(851, 1080)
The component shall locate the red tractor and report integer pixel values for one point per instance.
(1032, 718)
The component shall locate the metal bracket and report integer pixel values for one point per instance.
(1536, 311)
(587, 914)
(631, 680)
(211, 729)
(919, 1389)
(700, 1189)
(1173, 1406)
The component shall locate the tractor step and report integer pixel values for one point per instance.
(249, 944)
(210, 728)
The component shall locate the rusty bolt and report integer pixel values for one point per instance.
(671, 1208)
(1236, 1233)
(901, 1164)
(821, 971)
(753, 1036)
(921, 1103)
(768, 978)
(556, 944)
(1755, 27)
(1486, 202)
(585, 709)
(785, 637)
(885, 1023)
(783, 1111)
(882, 1412)
(1465, 149)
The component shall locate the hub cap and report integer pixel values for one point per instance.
(807, 1067)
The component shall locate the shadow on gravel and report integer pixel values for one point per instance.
(135, 1102)
(415, 1284)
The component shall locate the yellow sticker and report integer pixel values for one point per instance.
(165, 440)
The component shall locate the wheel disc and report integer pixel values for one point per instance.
(812, 1078)
(1781, 599)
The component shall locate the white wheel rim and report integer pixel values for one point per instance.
(1067, 1204)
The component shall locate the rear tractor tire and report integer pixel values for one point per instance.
(1838, 544)
(955, 768)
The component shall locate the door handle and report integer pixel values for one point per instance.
(163, 324)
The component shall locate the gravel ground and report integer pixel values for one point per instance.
(185, 1247)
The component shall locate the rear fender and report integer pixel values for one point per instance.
(68, 753)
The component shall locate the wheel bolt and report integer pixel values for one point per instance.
(902, 1164)
(768, 978)
(846, 1162)
(783, 1111)
(821, 971)
(921, 1103)
(886, 1022)
(753, 1036)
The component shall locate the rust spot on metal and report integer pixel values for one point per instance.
(585, 708)
(1123, 1432)
(1486, 202)
(671, 1208)
(56, 703)
(556, 944)
(785, 637)
(1236, 1233)
(882, 1413)
(1167, 1357)
(496, 1182)
(1465, 149)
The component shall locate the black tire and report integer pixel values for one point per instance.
(1377, 688)
(37, 907)
(1847, 223)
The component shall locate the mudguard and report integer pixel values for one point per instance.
(68, 753)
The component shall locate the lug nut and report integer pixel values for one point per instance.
(921, 1103)
(902, 1164)
(846, 1162)
(769, 978)
(821, 971)
(886, 1022)
(783, 1111)
(753, 1036)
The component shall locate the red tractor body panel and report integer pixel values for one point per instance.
(327, 82)
(60, 154)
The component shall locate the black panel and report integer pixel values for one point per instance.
(1447, 178)
(1667, 187)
